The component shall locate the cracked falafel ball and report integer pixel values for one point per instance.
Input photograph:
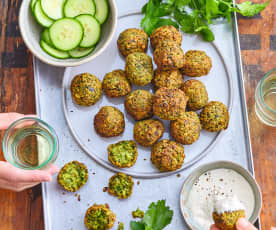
(214, 117)
(167, 155)
(116, 84)
(132, 40)
(197, 93)
(165, 33)
(169, 55)
(197, 63)
(169, 104)
(186, 130)
(171, 79)
(138, 104)
(86, 89)
(109, 122)
(99, 217)
(139, 68)
(147, 132)
(120, 185)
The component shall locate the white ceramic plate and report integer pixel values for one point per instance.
(80, 119)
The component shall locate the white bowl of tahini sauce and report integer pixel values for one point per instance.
(210, 183)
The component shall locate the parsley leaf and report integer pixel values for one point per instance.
(248, 9)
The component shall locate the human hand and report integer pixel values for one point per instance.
(6, 119)
(17, 180)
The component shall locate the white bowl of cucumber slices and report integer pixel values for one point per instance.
(67, 32)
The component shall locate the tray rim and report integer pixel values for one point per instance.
(46, 214)
(150, 175)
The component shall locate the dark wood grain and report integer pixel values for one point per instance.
(23, 211)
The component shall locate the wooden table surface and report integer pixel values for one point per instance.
(23, 211)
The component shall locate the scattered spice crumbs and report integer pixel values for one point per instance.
(89, 140)
(138, 182)
(105, 189)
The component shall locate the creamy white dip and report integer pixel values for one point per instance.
(215, 186)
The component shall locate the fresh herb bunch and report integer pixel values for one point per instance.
(194, 16)
(157, 217)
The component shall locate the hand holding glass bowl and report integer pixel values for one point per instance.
(30, 146)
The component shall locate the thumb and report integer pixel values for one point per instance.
(214, 227)
(244, 224)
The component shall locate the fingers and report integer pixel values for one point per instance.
(244, 224)
(214, 227)
(6, 119)
(273, 228)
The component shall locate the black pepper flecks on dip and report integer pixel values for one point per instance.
(86, 89)
(132, 40)
(165, 33)
(109, 122)
(167, 155)
(99, 217)
(168, 55)
(186, 130)
(123, 154)
(197, 93)
(120, 185)
(116, 84)
(138, 104)
(139, 68)
(147, 132)
(171, 79)
(214, 117)
(169, 104)
(197, 63)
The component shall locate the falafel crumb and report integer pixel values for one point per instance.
(138, 213)
(105, 189)
(138, 182)
(79, 199)
(121, 226)
(178, 175)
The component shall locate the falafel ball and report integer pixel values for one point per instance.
(228, 220)
(138, 104)
(120, 185)
(197, 63)
(86, 89)
(116, 84)
(99, 217)
(167, 155)
(186, 130)
(165, 33)
(169, 55)
(147, 132)
(73, 176)
(197, 93)
(109, 122)
(214, 117)
(169, 104)
(139, 68)
(132, 40)
(171, 79)
(122, 154)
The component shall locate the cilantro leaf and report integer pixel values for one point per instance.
(249, 9)
(137, 225)
(158, 216)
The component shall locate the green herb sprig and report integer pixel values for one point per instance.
(194, 16)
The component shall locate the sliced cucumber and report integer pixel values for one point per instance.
(73, 8)
(53, 52)
(46, 37)
(81, 52)
(66, 34)
(92, 30)
(41, 18)
(53, 8)
(32, 4)
(102, 10)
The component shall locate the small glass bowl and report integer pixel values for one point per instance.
(30, 143)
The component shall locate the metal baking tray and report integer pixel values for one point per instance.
(63, 210)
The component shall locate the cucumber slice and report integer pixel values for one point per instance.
(66, 34)
(32, 4)
(92, 30)
(40, 17)
(102, 10)
(53, 8)
(73, 8)
(53, 52)
(81, 52)
(46, 37)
